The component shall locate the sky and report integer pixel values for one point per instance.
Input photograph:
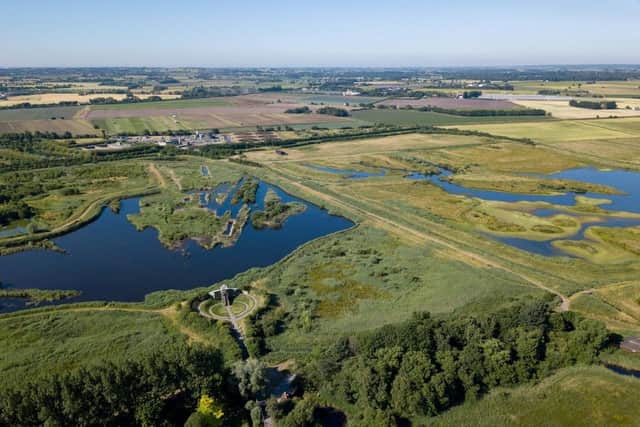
(286, 33)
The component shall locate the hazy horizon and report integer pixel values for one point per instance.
(407, 33)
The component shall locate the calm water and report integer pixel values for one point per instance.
(109, 260)
(627, 182)
(12, 231)
(352, 174)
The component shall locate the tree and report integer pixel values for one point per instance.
(410, 394)
(256, 416)
(210, 410)
(302, 414)
(251, 377)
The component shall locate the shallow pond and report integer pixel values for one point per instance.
(628, 182)
(109, 260)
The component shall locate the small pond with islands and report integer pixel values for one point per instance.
(109, 260)
(625, 181)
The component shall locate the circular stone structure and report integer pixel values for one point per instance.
(241, 307)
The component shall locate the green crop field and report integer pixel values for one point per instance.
(137, 125)
(564, 130)
(170, 105)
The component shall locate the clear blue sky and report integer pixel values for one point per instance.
(317, 33)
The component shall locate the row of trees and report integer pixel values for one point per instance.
(485, 112)
(472, 94)
(594, 105)
(333, 111)
(298, 110)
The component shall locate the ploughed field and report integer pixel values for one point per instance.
(452, 103)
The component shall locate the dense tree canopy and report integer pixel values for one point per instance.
(426, 365)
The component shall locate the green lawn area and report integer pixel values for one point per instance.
(580, 396)
(63, 340)
(170, 104)
(429, 118)
(137, 125)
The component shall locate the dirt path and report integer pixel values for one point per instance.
(419, 237)
(153, 170)
(175, 179)
(83, 114)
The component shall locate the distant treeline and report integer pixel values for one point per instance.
(594, 105)
(496, 74)
(333, 111)
(28, 105)
(472, 94)
(212, 92)
(298, 110)
(478, 112)
(129, 99)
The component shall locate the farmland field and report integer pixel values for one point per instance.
(75, 127)
(564, 130)
(54, 98)
(562, 109)
(137, 125)
(38, 113)
(453, 103)
(421, 118)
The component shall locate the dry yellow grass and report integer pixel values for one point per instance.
(364, 146)
(554, 131)
(562, 109)
(625, 151)
(54, 98)
(504, 158)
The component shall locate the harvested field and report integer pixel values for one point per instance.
(562, 109)
(453, 103)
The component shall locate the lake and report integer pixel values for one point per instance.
(109, 260)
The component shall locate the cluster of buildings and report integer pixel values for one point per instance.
(183, 142)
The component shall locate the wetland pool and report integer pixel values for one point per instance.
(108, 260)
(625, 181)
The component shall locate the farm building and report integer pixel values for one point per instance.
(631, 345)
